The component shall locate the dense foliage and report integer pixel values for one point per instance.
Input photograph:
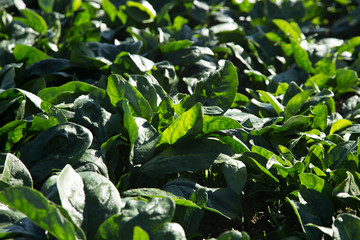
(177, 119)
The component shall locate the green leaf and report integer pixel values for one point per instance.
(349, 45)
(301, 57)
(296, 102)
(129, 123)
(190, 218)
(190, 123)
(219, 88)
(140, 234)
(90, 205)
(318, 80)
(33, 20)
(171, 231)
(254, 161)
(12, 133)
(312, 207)
(346, 226)
(191, 156)
(269, 98)
(145, 144)
(233, 235)
(235, 175)
(311, 181)
(68, 92)
(71, 193)
(320, 120)
(40, 210)
(110, 9)
(118, 88)
(349, 188)
(175, 45)
(46, 5)
(52, 118)
(218, 123)
(339, 124)
(141, 11)
(155, 192)
(148, 216)
(290, 30)
(164, 115)
(54, 148)
(345, 79)
(337, 155)
(29, 54)
(14, 171)
(91, 115)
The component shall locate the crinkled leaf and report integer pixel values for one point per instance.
(54, 148)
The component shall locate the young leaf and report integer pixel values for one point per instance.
(29, 54)
(140, 234)
(118, 88)
(190, 123)
(217, 123)
(269, 98)
(320, 120)
(296, 102)
(46, 5)
(339, 124)
(291, 31)
(129, 124)
(33, 20)
(301, 57)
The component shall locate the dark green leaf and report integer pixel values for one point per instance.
(189, 156)
(346, 226)
(54, 148)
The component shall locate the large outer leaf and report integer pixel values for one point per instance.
(54, 148)
(190, 156)
(346, 226)
(68, 92)
(146, 215)
(14, 171)
(90, 198)
(40, 210)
